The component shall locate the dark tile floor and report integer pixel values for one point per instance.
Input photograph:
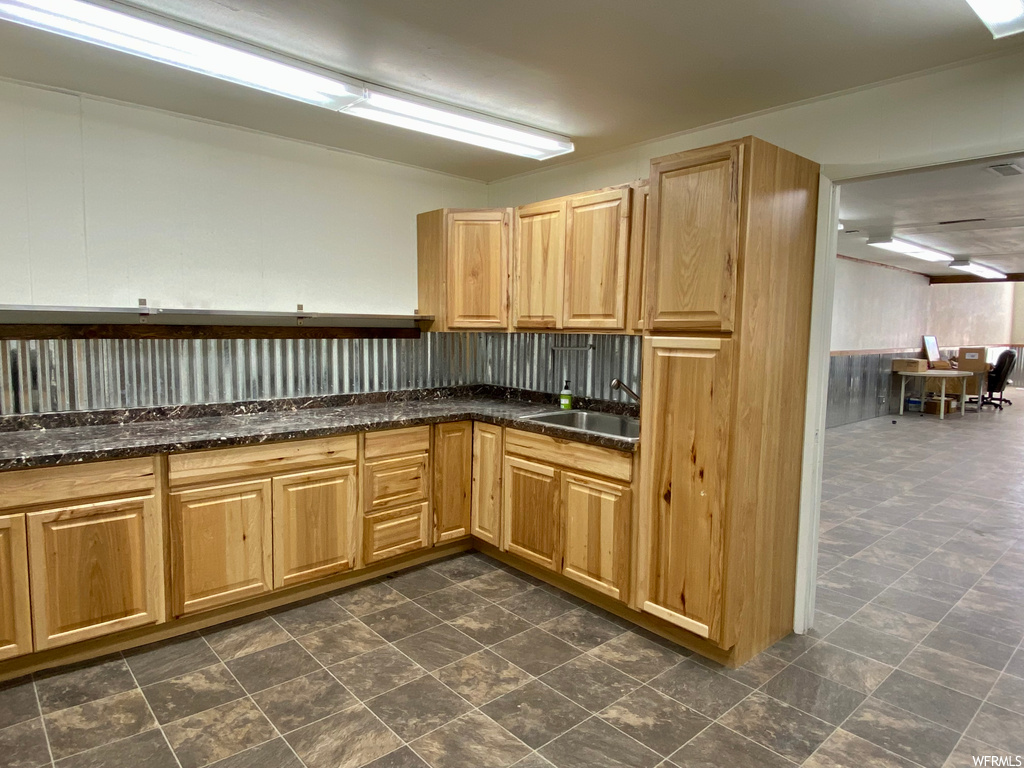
(915, 659)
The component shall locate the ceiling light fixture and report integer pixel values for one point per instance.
(1002, 17)
(979, 270)
(908, 249)
(163, 41)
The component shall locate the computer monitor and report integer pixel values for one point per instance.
(931, 349)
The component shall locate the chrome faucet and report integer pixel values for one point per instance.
(616, 384)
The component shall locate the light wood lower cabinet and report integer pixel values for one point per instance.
(316, 524)
(390, 482)
(221, 544)
(488, 455)
(95, 569)
(597, 533)
(531, 512)
(15, 615)
(687, 397)
(395, 532)
(453, 479)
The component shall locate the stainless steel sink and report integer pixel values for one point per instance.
(591, 421)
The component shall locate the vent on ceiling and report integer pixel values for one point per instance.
(1006, 169)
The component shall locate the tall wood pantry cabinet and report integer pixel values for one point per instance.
(728, 306)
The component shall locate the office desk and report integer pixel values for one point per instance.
(944, 375)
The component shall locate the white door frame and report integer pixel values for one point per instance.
(818, 357)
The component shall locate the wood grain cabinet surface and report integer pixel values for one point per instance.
(316, 524)
(598, 525)
(488, 458)
(531, 512)
(15, 615)
(539, 265)
(95, 568)
(453, 480)
(694, 248)
(463, 264)
(686, 413)
(222, 545)
(396, 531)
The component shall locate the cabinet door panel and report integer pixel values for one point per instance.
(596, 260)
(15, 616)
(395, 532)
(95, 569)
(539, 265)
(686, 412)
(477, 280)
(597, 533)
(453, 478)
(316, 524)
(222, 538)
(389, 482)
(488, 454)
(694, 240)
(531, 512)
(638, 240)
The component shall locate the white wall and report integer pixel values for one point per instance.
(954, 114)
(971, 314)
(102, 204)
(1017, 332)
(878, 307)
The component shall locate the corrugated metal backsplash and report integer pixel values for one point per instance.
(81, 375)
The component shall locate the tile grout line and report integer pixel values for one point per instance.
(149, 708)
(42, 719)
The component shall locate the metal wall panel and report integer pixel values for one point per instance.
(78, 375)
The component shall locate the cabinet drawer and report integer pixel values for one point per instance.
(389, 482)
(568, 453)
(394, 442)
(223, 463)
(395, 532)
(75, 482)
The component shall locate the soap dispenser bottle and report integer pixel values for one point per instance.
(565, 398)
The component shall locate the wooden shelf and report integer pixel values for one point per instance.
(42, 322)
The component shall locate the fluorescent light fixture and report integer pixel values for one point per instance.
(1002, 17)
(979, 270)
(128, 34)
(450, 123)
(908, 249)
(130, 31)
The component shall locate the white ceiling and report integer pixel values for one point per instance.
(929, 207)
(606, 72)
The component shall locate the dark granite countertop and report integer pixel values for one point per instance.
(43, 442)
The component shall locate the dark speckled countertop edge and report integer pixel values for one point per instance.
(27, 449)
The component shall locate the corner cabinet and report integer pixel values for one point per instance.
(488, 452)
(694, 240)
(463, 266)
(453, 480)
(15, 615)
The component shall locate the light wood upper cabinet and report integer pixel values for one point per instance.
(222, 545)
(15, 615)
(95, 569)
(453, 480)
(531, 512)
(694, 249)
(316, 524)
(597, 533)
(686, 417)
(638, 240)
(488, 456)
(597, 260)
(539, 265)
(463, 258)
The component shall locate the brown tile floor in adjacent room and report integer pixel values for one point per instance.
(916, 658)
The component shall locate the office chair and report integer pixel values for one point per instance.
(998, 379)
